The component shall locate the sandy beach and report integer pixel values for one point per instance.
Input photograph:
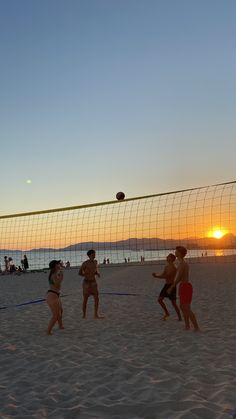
(129, 365)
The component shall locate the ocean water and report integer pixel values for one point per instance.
(41, 259)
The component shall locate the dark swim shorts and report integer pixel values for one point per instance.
(90, 288)
(164, 293)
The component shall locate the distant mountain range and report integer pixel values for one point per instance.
(226, 242)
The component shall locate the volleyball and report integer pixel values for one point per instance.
(120, 196)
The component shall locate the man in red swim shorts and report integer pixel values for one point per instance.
(185, 293)
(185, 288)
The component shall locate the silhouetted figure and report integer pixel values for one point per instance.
(26, 263)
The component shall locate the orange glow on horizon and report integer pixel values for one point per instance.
(217, 233)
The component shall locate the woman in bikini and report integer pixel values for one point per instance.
(53, 295)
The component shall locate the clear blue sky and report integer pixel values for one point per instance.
(98, 96)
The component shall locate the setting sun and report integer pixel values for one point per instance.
(217, 234)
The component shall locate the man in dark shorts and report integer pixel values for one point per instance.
(169, 275)
(89, 270)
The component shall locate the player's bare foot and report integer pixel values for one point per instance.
(49, 333)
(165, 317)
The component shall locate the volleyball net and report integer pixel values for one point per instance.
(135, 230)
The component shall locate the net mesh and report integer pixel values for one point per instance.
(140, 229)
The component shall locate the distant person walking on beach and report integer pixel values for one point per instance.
(169, 275)
(26, 263)
(185, 288)
(53, 295)
(89, 270)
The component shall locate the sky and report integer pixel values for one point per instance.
(101, 96)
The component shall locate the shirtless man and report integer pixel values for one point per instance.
(185, 289)
(169, 275)
(89, 270)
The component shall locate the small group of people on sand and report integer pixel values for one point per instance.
(10, 267)
(89, 271)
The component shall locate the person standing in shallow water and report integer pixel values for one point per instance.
(185, 289)
(53, 295)
(169, 275)
(89, 270)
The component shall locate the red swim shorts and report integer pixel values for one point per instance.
(185, 293)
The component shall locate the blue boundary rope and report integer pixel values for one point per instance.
(120, 293)
(40, 300)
